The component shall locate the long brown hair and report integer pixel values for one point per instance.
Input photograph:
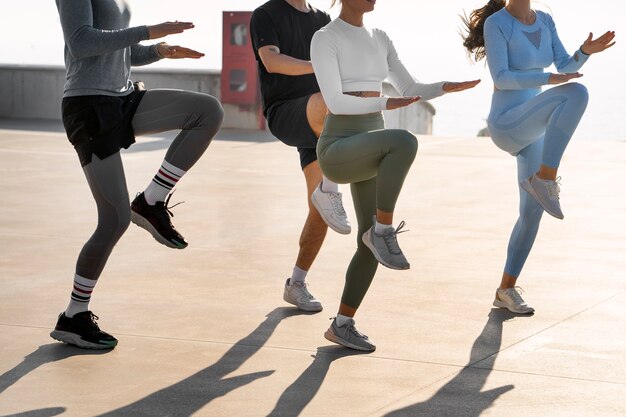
(474, 41)
(333, 3)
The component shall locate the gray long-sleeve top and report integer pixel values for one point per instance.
(100, 47)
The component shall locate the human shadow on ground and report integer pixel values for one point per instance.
(44, 354)
(462, 395)
(300, 393)
(43, 412)
(191, 394)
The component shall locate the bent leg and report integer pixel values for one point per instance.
(554, 113)
(386, 155)
(316, 111)
(199, 117)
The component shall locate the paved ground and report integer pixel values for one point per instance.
(205, 332)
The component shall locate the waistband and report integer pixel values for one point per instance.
(351, 124)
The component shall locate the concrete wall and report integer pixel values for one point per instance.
(35, 92)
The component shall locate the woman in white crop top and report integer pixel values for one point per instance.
(350, 63)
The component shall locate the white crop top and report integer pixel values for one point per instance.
(349, 58)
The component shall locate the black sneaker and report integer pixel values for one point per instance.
(82, 331)
(156, 220)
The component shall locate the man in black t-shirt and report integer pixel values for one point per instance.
(281, 32)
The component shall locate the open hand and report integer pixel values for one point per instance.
(397, 102)
(449, 87)
(593, 46)
(563, 78)
(168, 28)
(177, 52)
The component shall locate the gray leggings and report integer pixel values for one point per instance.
(358, 150)
(199, 116)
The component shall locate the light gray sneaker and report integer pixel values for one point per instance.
(298, 294)
(385, 247)
(546, 193)
(511, 299)
(349, 336)
(330, 207)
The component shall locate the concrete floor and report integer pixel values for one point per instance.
(205, 332)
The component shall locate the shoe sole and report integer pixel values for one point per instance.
(303, 308)
(330, 336)
(378, 257)
(142, 222)
(500, 304)
(530, 190)
(328, 223)
(75, 340)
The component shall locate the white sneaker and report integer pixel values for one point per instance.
(385, 247)
(511, 299)
(298, 294)
(330, 207)
(348, 336)
(546, 193)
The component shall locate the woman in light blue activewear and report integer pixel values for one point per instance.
(533, 125)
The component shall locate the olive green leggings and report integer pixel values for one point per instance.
(358, 150)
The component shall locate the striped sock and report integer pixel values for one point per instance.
(162, 183)
(81, 295)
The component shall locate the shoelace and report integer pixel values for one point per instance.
(391, 241)
(92, 321)
(554, 188)
(335, 200)
(352, 329)
(167, 201)
(516, 295)
(304, 291)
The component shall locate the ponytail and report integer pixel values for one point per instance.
(474, 41)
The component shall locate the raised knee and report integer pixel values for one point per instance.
(578, 91)
(405, 141)
(213, 110)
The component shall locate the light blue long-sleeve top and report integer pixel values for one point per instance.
(517, 54)
(100, 47)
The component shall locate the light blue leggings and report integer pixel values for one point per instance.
(536, 128)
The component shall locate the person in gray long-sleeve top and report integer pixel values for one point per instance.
(102, 111)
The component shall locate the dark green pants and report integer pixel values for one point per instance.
(359, 150)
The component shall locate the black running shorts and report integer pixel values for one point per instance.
(288, 122)
(100, 125)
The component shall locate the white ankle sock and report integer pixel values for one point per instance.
(380, 228)
(342, 320)
(298, 275)
(328, 186)
(81, 295)
(162, 183)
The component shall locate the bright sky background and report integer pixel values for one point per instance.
(425, 34)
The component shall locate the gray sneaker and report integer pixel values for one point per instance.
(385, 247)
(330, 207)
(546, 193)
(349, 336)
(298, 294)
(512, 300)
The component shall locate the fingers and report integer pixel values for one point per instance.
(177, 52)
(168, 28)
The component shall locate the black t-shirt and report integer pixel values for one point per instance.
(278, 23)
